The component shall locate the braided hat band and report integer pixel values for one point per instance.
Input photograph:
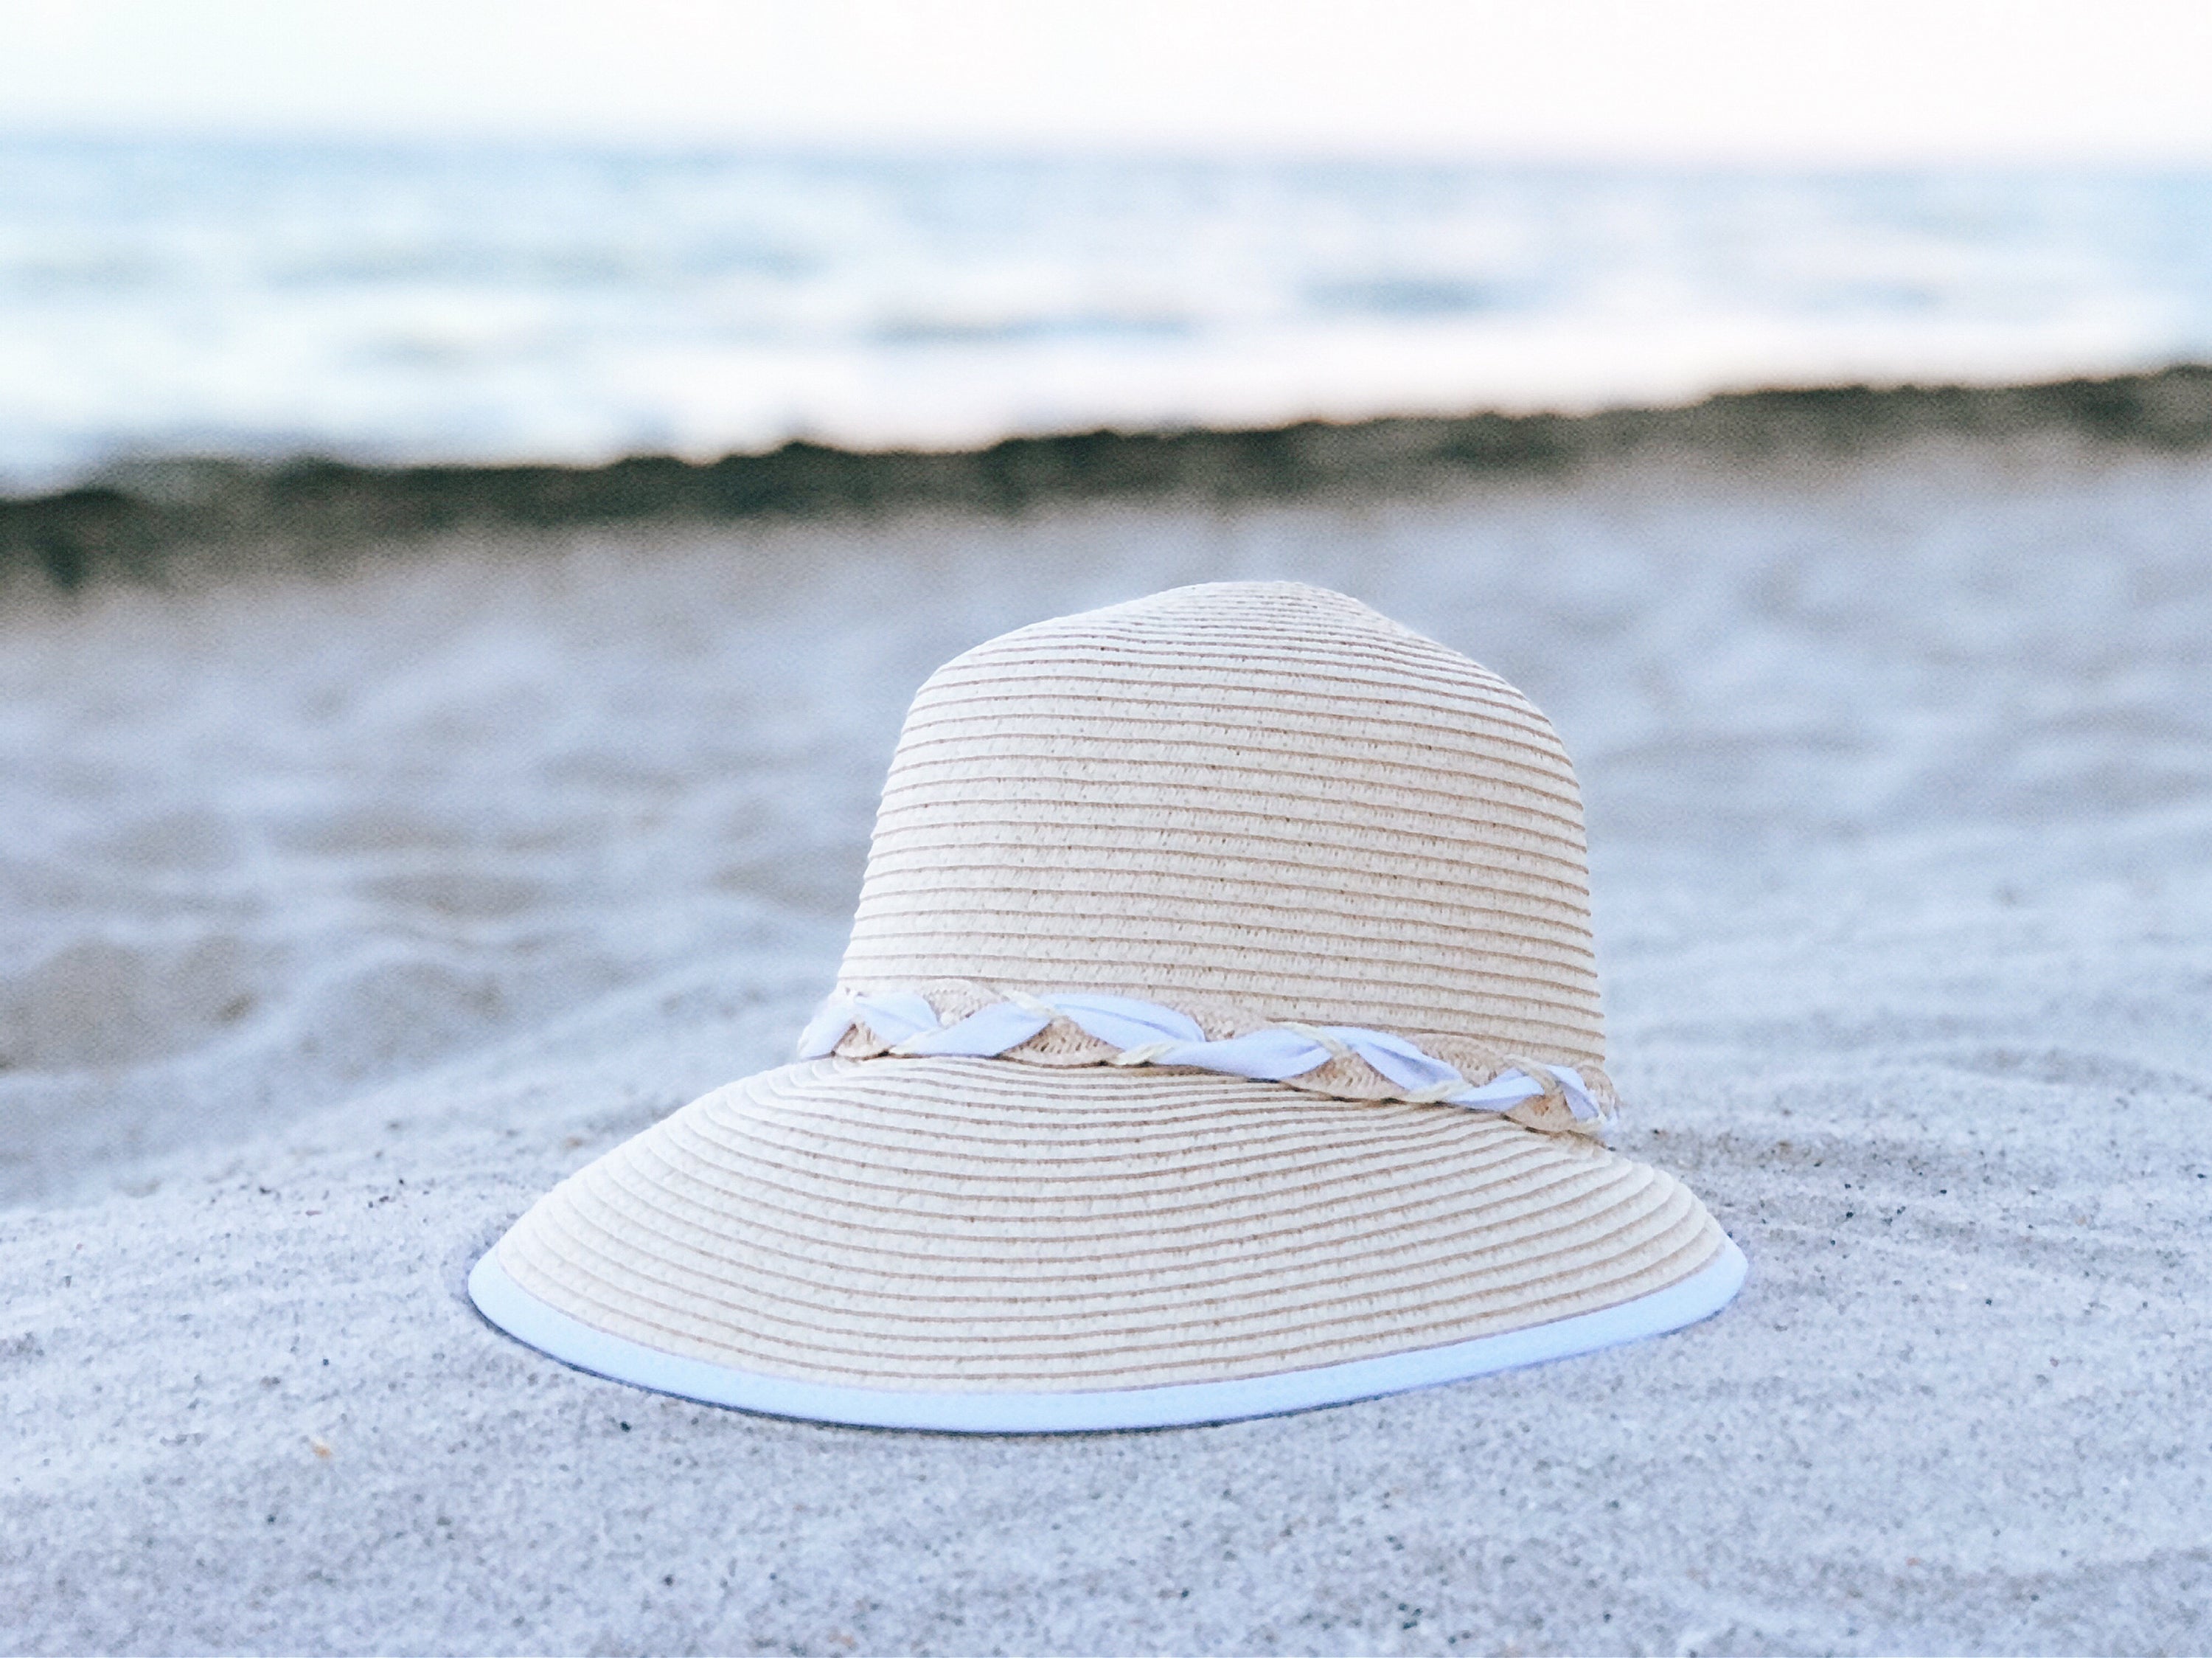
(1344, 1062)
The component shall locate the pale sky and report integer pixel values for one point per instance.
(1737, 81)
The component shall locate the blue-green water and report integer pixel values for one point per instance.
(497, 304)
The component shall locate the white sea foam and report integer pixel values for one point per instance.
(506, 304)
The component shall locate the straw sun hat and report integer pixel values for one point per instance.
(1218, 1035)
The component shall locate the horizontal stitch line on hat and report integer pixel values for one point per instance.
(1204, 1172)
(1374, 759)
(1373, 754)
(1471, 730)
(1242, 1117)
(1330, 703)
(1385, 825)
(1228, 1126)
(1045, 1371)
(1457, 988)
(917, 1375)
(1443, 920)
(1223, 1149)
(1106, 805)
(864, 1370)
(1465, 922)
(1642, 1220)
(1051, 1285)
(1439, 688)
(1055, 1287)
(1234, 1144)
(1333, 704)
(1324, 707)
(1327, 1233)
(1065, 1302)
(1239, 1141)
(1269, 1325)
(915, 832)
(1568, 987)
(1253, 870)
(1259, 1222)
(1350, 779)
(1066, 896)
(1366, 768)
(867, 1242)
(1029, 1230)
(1301, 1289)
(906, 847)
(1308, 693)
(1286, 1170)
(1061, 1103)
(1343, 730)
(1608, 1241)
(1190, 838)
(999, 1173)
(1395, 818)
(1658, 1228)
(1077, 892)
(870, 961)
(1024, 900)
(1278, 1192)
(1046, 911)
(1054, 906)
(1225, 1157)
(911, 856)
(1374, 772)
(1184, 685)
(1071, 1178)
(1344, 857)
(1439, 672)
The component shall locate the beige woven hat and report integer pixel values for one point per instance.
(1218, 1035)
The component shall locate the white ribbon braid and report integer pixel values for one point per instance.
(1145, 1033)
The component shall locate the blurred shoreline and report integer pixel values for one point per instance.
(138, 519)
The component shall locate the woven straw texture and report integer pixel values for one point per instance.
(969, 1223)
(1252, 801)
(1262, 795)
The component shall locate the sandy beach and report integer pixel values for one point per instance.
(345, 907)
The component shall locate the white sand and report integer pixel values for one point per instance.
(338, 919)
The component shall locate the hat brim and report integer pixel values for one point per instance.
(983, 1246)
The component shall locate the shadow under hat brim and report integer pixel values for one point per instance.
(988, 1246)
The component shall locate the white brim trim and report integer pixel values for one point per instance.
(523, 1316)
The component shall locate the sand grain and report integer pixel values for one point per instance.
(339, 918)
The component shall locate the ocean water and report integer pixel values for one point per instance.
(507, 303)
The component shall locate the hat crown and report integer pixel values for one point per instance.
(1263, 795)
